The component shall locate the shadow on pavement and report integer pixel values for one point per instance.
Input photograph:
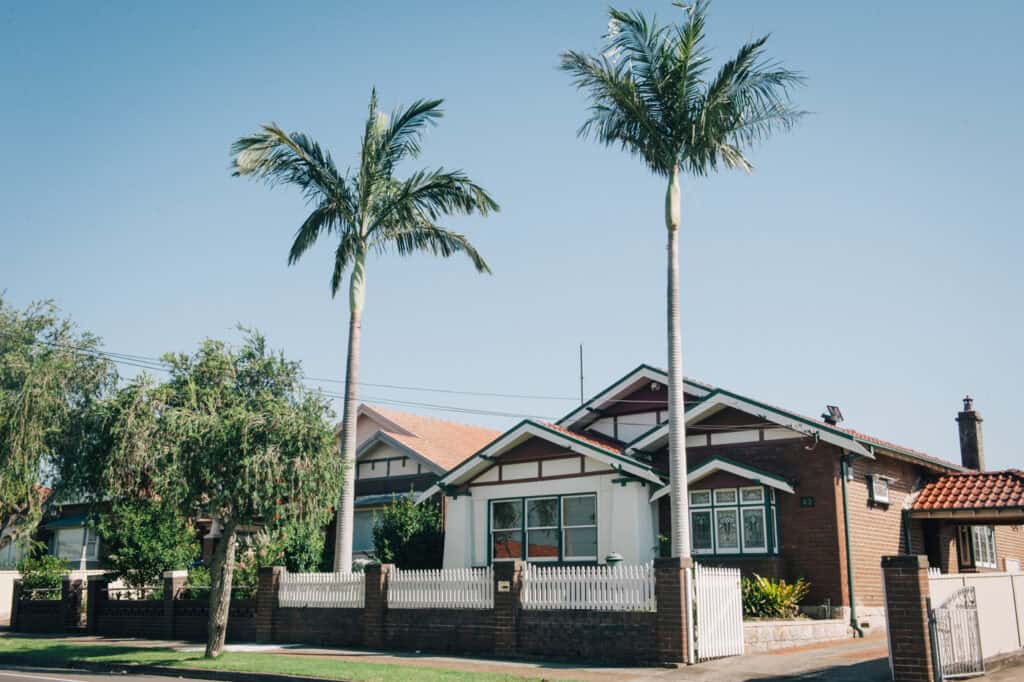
(876, 670)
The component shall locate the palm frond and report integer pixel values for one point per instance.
(402, 137)
(421, 235)
(320, 220)
(350, 248)
(276, 157)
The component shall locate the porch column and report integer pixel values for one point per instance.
(670, 589)
(905, 579)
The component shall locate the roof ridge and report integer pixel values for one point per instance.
(389, 410)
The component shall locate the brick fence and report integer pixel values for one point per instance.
(905, 580)
(505, 630)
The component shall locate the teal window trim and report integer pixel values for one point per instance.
(771, 548)
(524, 528)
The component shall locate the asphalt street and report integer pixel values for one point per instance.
(18, 674)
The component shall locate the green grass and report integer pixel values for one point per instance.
(56, 652)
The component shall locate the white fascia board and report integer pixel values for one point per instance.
(528, 429)
(650, 438)
(715, 465)
(625, 385)
(382, 437)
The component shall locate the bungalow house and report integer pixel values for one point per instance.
(400, 454)
(771, 491)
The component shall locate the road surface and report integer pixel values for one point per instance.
(18, 674)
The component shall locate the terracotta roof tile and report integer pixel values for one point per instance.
(586, 439)
(975, 490)
(443, 442)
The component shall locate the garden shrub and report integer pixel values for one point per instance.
(42, 572)
(769, 598)
(409, 535)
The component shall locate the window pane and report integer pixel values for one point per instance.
(508, 514)
(700, 531)
(542, 512)
(542, 544)
(579, 511)
(700, 498)
(725, 496)
(580, 543)
(753, 530)
(508, 544)
(69, 543)
(727, 529)
(752, 495)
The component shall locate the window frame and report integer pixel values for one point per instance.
(873, 493)
(524, 529)
(765, 506)
(527, 528)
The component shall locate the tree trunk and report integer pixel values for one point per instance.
(221, 574)
(676, 404)
(346, 509)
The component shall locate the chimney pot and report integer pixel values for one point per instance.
(972, 448)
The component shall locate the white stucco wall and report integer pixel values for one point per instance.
(625, 518)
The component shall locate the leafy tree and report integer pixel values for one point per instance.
(145, 539)
(652, 95)
(232, 433)
(367, 211)
(409, 535)
(41, 575)
(50, 375)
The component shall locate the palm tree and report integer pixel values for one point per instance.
(367, 211)
(650, 94)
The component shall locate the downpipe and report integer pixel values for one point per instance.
(844, 471)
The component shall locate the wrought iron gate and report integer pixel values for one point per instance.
(956, 636)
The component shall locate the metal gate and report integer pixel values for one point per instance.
(718, 612)
(956, 636)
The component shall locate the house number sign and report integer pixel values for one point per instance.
(806, 502)
(504, 586)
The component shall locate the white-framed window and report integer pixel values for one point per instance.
(76, 543)
(554, 527)
(733, 521)
(878, 489)
(984, 539)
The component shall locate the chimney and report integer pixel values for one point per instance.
(972, 450)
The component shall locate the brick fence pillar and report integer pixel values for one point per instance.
(266, 601)
(906, 601)
(15, 603)
(507, 586)
(670, 586)
(174, 581)
(376, 605)
(70, 603)
(95, 591)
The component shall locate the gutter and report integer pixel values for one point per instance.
(844, 470)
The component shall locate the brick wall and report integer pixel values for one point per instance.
(319, 627)
(617, 637)
(446, 631)
(1009, 544)
(38, 616)
(907, 589)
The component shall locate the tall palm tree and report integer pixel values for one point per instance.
(368, 210)
(651, 94)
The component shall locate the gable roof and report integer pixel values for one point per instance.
(553, 433)
(985, 490)
(439, 441)
(726, 465)
(624, 386)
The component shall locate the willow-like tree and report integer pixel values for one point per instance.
(651, 93)
(232, 435)
(366, 211)
(50, 376)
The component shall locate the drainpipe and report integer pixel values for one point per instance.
(844, 469)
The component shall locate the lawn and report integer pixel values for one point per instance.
(56, 652)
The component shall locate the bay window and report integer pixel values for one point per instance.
(544, 529)
(727, 521)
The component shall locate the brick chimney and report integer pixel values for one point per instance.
(972, 450)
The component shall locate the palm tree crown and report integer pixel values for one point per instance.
(369, 210)
(650, 94)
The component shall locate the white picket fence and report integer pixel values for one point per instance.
(447, 588)
(718, 601)
(596, 588)
(323, 590)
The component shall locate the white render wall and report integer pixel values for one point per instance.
(625, 517)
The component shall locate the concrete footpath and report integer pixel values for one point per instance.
(863, 660)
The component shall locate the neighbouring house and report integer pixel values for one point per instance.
(400, 454)
(11, 550)
(771, 491)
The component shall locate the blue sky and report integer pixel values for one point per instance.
(871, 261)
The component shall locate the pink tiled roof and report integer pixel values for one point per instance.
(443, 442)
(586, 439)
(975, 490)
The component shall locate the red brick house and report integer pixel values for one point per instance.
(771, 491)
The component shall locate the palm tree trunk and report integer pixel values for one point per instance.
(346, 509)
(676, 406)
(220, 590)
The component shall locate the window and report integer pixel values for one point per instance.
(878, 489)
(362, 531)
(977, 547)
(557, 528)
(733, 521)
(92, 545)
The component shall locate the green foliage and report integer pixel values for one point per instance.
(651, 94)
(42, 572)
(409, 535)
(768, 598)
(146, 538)
(49, 378)
(197, 584)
